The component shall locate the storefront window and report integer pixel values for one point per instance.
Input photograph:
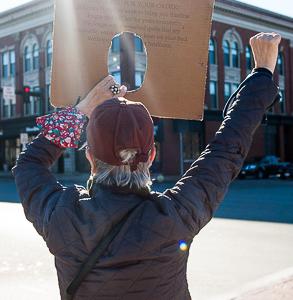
(191, 146)
(282, 102)
(12, 151)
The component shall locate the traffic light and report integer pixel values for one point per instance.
(26, 94)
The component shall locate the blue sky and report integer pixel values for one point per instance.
(281, 6)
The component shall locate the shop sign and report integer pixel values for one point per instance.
(9, 94)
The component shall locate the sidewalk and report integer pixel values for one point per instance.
(227, 255)
(278, 286)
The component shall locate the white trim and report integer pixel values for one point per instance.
(231, 35)
(234, 21)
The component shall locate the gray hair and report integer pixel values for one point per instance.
(122, 175)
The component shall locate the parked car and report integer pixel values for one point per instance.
(289, 171)
(267, 166)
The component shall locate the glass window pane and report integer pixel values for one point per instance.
(117, 76)
(282, 102)
(138, 44)
(191, 146)
(227, 91)
(235, 55)
(27, 60)
(226, 48)
(213, 95)
(5, 61)
(49, 51)
(212, 52)
(12, 63)
(248, 58)
(35, 57)
(280, 64)
(116, 44)
(234, 87)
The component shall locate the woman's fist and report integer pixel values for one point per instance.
(265, 48)
(100, 93)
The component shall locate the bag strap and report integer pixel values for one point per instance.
(92, 259)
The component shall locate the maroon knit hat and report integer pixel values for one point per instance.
(117, 125)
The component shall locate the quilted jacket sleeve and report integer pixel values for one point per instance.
(37, 187)
(199, 192)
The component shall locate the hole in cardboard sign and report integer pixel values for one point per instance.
(127, 60)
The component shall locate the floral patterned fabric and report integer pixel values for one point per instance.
(63, 127)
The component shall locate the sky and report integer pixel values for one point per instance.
(284, 7)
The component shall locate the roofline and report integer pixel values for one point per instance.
(38, 12)
(19, 7)
(254, 8)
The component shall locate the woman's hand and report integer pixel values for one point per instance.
(100, 93)
(265, 48)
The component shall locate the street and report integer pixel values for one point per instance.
(229, 253)
(260, 200)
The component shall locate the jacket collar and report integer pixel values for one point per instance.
(94, 187)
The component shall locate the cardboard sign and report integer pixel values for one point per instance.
(175, 32)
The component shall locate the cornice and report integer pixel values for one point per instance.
(235, 13)
(27, 16)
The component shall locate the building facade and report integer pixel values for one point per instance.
(26, 56)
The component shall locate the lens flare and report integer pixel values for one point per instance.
(183, 246)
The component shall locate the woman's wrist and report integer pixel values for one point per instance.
(84, 108)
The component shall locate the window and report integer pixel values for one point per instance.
(5, 62)
(226, 48)
(12, 63)
(48, 97)
(35, 57)
(49, 51)
(139, 77)
(213, 95)
(235, 55)
(248, 58)
(138, 44)
(212, 52)
(227, 91)
(280, 65)
(8, 108)
(27, 59)
(117, 76)
(234, 87)
(5, 112)
(191, 146)
(36, 102)
(282, 102)
(116, 44)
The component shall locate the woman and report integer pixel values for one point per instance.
(147, 259)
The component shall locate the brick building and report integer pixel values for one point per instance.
(26, 54)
